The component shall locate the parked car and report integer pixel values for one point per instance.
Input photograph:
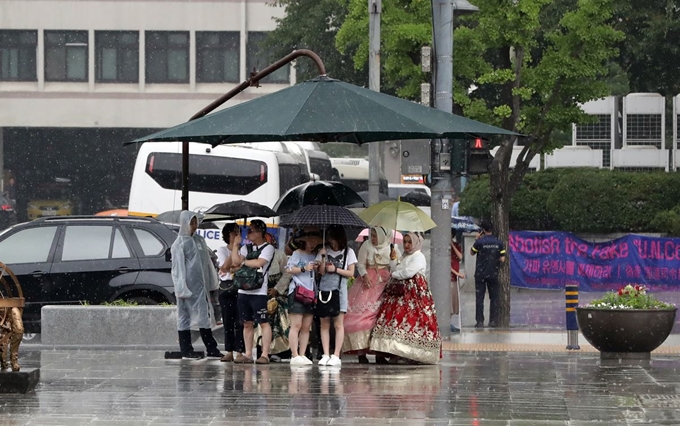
(88, 259)
(51, 199)
(8, 214)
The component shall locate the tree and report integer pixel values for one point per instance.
(650, 54)
(525, 65)
(313, 24)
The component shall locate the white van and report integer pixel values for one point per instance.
(353, 172)
(318, 162)
(216, 175)
(396, 190)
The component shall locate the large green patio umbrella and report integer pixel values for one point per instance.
(325, 110)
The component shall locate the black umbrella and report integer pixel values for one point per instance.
(317, 193)
(238, 209)
(417, 198)
(322, 216)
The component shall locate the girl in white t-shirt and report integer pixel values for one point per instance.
(336, 266)
(302, 265)
(233, 331)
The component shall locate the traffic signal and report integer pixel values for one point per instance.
(478, 157)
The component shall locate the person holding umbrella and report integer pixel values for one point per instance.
(364, 296)
(336, 267)
(301, 266)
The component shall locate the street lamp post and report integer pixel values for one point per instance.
(440, 252)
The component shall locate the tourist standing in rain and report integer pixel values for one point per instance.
(233, 331)
(364, 297)
(194, 277)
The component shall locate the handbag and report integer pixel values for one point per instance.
(395, 287)
(247, 278)
(229, 287)
(304, 295)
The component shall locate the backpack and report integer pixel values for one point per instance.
(247, 278)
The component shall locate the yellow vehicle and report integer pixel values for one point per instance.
(51, 199)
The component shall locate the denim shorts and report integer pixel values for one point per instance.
(295, 307)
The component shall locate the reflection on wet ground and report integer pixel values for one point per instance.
(483, 388)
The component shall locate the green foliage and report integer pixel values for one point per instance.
(120, 302)
(586, 200)
(669, 221)
(313, 24)
(629, 297)
(405, 27)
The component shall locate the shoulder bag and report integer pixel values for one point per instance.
(247, 278)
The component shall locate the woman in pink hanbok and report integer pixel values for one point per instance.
(364, 297)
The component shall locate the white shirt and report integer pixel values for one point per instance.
(266, 254)
(408, 266)
(223, 254)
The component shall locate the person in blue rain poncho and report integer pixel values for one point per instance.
(194, 276)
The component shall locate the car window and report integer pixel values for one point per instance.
(151, 245)
(120, 249)
(28, 245)
(86, 242)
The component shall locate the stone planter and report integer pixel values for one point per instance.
(90, 327)
(625, 333)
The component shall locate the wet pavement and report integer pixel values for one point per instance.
(483, 388)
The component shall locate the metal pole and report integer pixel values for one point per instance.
(374, 10)
(440, 254)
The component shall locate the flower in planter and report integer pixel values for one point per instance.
(629, 297)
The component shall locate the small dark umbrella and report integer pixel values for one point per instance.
(417, 198)
(238, 209)
(317, 193)
(322, 216)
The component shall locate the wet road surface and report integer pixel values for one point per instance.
(467, 388)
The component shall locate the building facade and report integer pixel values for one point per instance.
(79, 77)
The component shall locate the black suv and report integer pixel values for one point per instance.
(88, 259)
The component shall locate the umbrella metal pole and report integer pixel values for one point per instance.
(255, 77)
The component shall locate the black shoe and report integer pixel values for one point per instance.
(493, 324)
(479, 325)
(194, 356)
(381, 360)
(363, 359)
(218, 355)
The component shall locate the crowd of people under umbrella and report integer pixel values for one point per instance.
(343, 296)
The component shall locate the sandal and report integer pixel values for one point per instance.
(262, 360)
(242, 359)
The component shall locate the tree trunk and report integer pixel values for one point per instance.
(500, 219)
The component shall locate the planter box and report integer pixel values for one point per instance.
(87, 327)
(625, 333)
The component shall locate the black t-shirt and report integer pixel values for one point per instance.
(489, 250)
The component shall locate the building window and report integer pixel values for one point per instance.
(217, 57)
(167, 57)
(258, 57)
(117, 54)
(18, 55)
(65, 55)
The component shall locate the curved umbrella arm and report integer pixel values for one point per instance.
(255, 77)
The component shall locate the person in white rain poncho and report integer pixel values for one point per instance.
(194, 276)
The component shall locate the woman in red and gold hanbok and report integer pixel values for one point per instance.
(407, 321)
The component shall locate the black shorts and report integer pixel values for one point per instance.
(253, 307)
(295, 307)
(331, 308)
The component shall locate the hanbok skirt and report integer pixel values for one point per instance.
(362, 310)
(407, 324)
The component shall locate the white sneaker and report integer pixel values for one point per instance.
(324, 360)
(298, 360)
(306, 361)
(334, 361)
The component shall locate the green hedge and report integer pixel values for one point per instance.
(586, 200)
